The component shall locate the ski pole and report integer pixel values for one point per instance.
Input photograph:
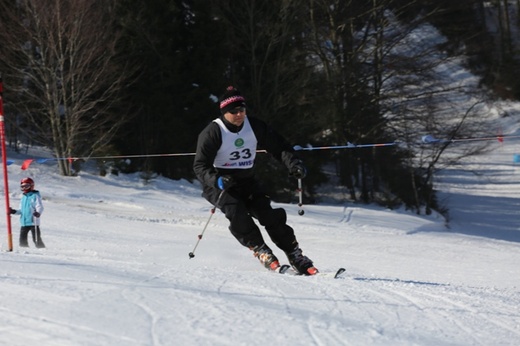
(300, 197)
(212, 211)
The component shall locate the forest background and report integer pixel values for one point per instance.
(97, 78)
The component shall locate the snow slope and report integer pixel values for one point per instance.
(116, 269)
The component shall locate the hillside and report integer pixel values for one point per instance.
(116, 268)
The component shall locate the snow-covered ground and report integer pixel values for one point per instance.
(116, 269)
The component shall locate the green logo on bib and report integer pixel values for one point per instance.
(239, 143)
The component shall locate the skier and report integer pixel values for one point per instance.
(224, 164)
(31, 208)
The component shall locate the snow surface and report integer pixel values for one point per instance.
(116, 269)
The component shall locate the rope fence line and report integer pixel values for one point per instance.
(427, 140)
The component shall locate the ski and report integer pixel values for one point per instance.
(338, 273)
(284, 269)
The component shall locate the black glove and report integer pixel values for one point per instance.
(36, 214)
(12, 211)
(225, 182)
(298, 170)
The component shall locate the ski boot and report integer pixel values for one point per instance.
(302, 264)
(266, 257)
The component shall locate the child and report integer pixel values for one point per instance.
(31, 208)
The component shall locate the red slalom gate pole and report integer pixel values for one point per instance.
(4, 164)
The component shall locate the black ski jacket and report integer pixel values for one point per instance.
(210, 140)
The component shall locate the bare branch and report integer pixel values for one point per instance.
(63, 72)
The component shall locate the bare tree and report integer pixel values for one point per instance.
(63, 74)
(263, 47)
(375, 65)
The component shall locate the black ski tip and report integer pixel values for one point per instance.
(339, 272)
(283, 268)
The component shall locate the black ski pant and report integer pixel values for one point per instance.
(243, 203)
(36, 236)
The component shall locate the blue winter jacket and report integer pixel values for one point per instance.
(31, 202)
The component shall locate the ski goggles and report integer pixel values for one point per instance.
(237, 110)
